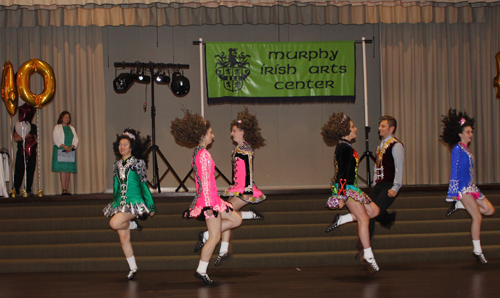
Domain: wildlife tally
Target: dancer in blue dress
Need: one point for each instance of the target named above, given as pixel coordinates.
(462, 192)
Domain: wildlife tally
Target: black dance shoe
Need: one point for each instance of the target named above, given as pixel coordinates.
(452, 209)
(256, 215)
(371, 263)
(480, 258)
(204, 277)
(335, 224)
(201, 242)
(132, 274)
(220, 259)
(390, 222)
(139, 227)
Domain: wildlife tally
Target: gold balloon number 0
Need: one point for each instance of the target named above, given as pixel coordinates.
(23, 85)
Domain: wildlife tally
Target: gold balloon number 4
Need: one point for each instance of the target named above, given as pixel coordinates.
(21, 85)
(9, 90)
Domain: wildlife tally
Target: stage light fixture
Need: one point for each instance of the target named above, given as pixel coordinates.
(123, 82)
(141, 78)
(180, 84)
(162, 78)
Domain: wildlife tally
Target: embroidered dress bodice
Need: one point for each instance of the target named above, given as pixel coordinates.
(344, 183)
(206, 189)
(346, 161)
(242, 160)
(461, 173)
(130, 188)
(243, 184)
(204, 171)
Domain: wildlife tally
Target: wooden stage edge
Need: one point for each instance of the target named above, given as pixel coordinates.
(409, 280)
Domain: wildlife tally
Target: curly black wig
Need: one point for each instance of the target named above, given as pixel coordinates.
(337, 126)
(138, 144)
(250, 126)
(453, 124)
(189, 129)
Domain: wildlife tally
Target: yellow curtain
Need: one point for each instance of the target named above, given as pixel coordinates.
(430, 68)
(76, 55)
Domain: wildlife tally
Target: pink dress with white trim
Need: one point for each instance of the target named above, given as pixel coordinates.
(206, 197)
(243, 183)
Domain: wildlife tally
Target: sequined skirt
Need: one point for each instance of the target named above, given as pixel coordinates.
(471, 189)
(351, 191)
(256, 197)
(199, 211)
(133, 208)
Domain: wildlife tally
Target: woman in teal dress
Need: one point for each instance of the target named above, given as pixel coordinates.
(131, 196)
(65, 140)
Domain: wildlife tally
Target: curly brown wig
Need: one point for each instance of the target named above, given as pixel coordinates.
(189, 129)
(337, 126)
(453, 124)
(250, 126)
(139, 145)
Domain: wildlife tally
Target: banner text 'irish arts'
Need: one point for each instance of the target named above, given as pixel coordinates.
(280, 72)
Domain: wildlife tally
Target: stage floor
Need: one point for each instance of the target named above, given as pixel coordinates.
(429, 280)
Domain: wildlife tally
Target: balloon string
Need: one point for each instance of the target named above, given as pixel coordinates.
(24, 155)
(11, 158)
(39, 151)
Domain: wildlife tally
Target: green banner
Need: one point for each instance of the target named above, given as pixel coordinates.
(242, 72)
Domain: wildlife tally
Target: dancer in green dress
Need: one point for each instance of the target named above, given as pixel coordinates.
(131, 196)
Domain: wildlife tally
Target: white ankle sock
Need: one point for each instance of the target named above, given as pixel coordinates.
(368, 253)
(247, 215)
(224, 248)
(202, 267)
(205, 236)
(132, 225)
(459, 205)
(345, 219)
(477, 247)
(131, 263)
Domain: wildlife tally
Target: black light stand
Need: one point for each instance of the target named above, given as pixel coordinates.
(368, 155)
(155, 183)
(219, 173)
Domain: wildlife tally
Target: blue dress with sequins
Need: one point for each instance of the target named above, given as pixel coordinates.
(462, 174)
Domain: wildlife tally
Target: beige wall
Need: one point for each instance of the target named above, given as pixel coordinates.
(295, 155)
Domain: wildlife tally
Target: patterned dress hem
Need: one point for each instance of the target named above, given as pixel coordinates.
(200, 212)
(252, 200)
(472, 189)
(137, 209)
(352, 192)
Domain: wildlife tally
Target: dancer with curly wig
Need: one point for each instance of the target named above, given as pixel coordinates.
(345, 190)
(207, 205)
(458, 129)
(131, 196)
(245, 132)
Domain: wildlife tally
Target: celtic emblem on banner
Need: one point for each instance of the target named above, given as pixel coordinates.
(232, 69)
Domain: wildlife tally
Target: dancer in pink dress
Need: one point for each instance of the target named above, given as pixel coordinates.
(462, 192)
(245, 132)
(207, 205)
